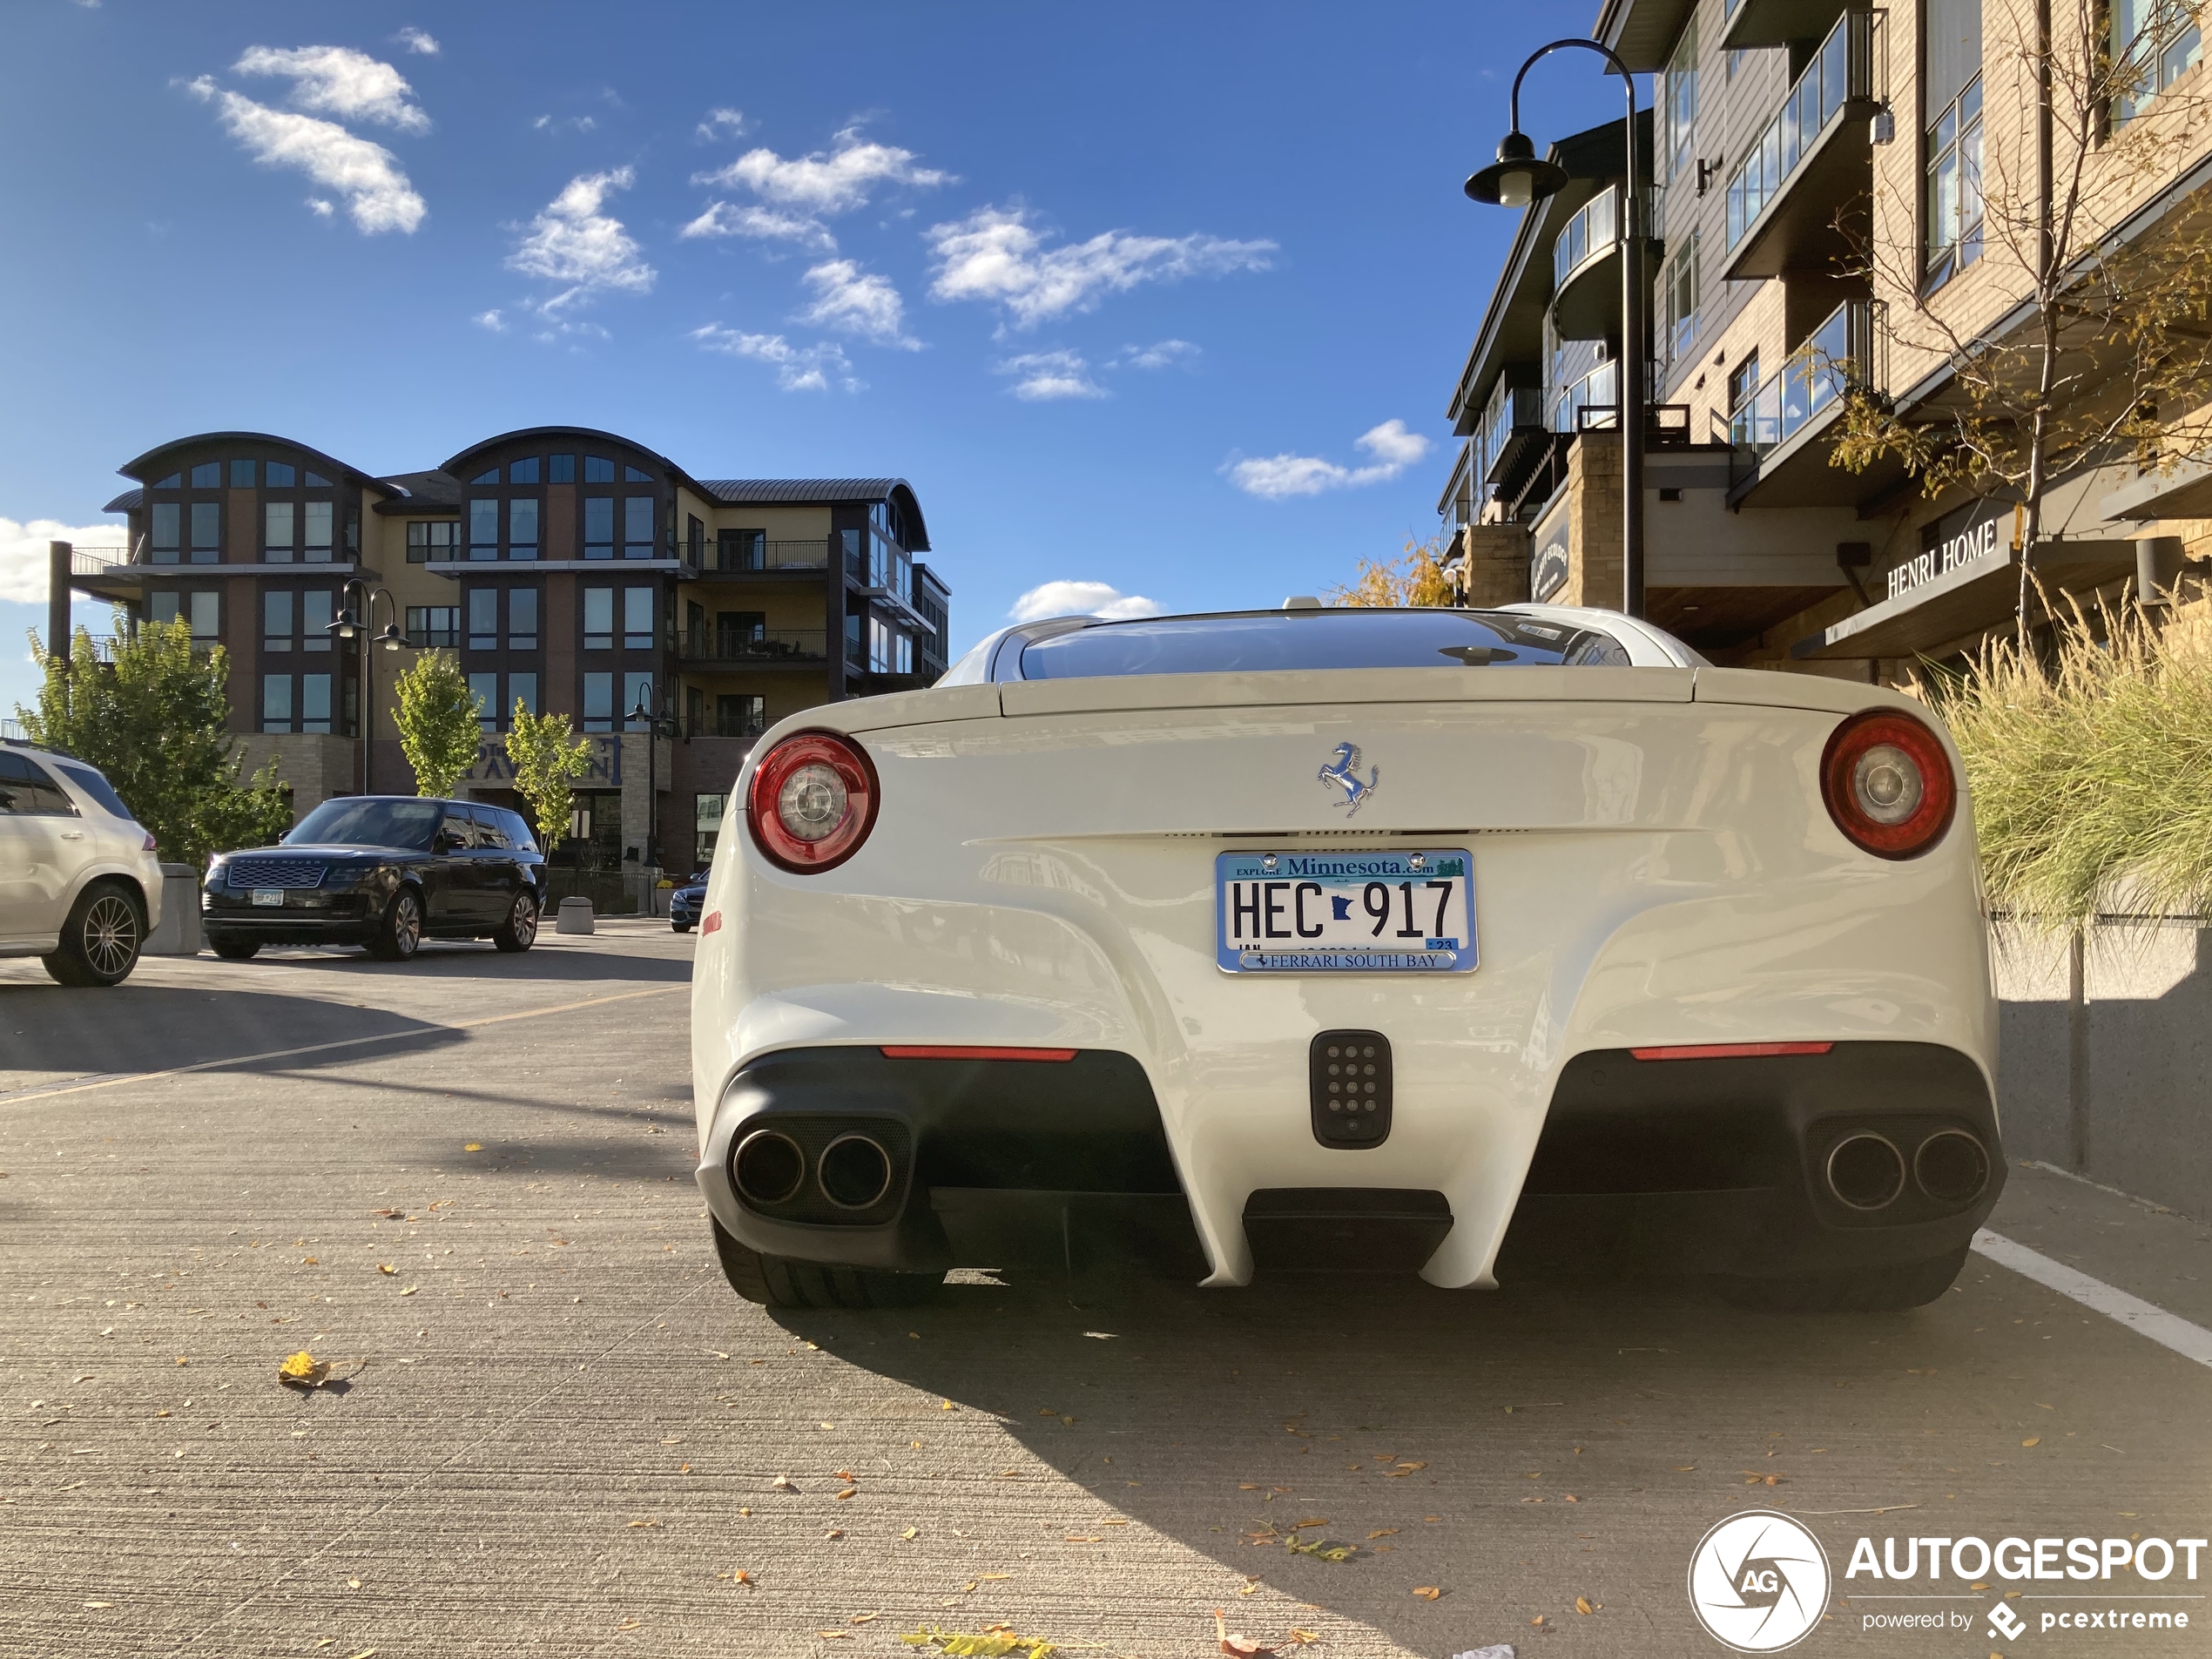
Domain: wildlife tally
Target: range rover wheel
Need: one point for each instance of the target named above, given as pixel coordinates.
(100, 941)
(519, 931)
(235, 950)
(1869, 1290)
(399, 935)
(784, 1282)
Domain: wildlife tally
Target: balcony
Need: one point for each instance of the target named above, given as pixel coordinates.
(708, 647)
(1750, 24)
(1774, 433)
(1586, 280)
(1813, 162)
(766, 558)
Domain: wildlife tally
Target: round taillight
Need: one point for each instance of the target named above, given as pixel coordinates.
(1888, 783)
(812, 801)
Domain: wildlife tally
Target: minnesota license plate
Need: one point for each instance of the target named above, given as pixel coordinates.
(268, 895)
(1396, 911)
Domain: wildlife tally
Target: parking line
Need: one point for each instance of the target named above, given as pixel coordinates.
(111, 1079)
(2167, 1330)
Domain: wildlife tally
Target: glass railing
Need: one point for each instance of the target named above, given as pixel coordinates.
(1588, 234)
(1598, 390)
(1511, 408)
(1841, 70)
(1837, 355)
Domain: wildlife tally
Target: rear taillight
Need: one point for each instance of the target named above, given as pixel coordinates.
(1888, 784)
(812, 801)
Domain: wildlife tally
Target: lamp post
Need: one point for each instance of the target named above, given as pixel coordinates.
(656, 727)
(1520, 178)
(350, 625)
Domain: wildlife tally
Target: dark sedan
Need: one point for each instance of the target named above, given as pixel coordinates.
(686, 902)
(385, 872)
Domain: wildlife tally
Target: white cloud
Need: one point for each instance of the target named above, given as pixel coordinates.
(415, 41)
(799, 368)
(726, 218)
(319, 207)
(368, 176)
(1080, 599)
(1162, 355)
(719, 121)
(826, 183)
(1278, 477)
(336, 80)
(23, 565)
(573, 241)
(490, 320)
(1049, 377)
(995, 257)
(853, 303)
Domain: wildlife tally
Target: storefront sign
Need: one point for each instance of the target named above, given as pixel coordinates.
(604, 772)
(1974, 531)
(1547, 569)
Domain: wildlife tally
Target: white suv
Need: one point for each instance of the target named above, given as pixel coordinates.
(80, 884)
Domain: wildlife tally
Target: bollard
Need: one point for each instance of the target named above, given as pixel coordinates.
(575, 916)
(178, 931)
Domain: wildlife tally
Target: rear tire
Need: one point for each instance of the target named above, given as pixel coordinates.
(100, 941)
(235, 950)
(1869, 1290)
(681, 926)
(399, 934)
(783, 1281)
(519, 931)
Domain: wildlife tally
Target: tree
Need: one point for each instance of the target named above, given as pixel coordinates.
(151, 713)
(1414, 579)
(441, 727)
(545, 761)
(2107, 356)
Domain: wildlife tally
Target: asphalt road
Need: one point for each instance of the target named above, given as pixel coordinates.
(466, 1182)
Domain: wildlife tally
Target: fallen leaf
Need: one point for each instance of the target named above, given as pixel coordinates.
(352, 1583)
(1242, 1647)
(783, 1483)
(648, 1521)
(473, 1146)
(99, 1604)
(864, 1618)
(410, 1289)
(1685, 1468)
(1303, 1636)
(1382, 1531)
(1583, 1604)
(848, 1493)
(303, 1370)
(386, 1267)
(1083, 1538)
(1318, 1520)
(2032, 1439)
(834, 1532)
(1428, 1592)
(911, 1534)
(741, 1576)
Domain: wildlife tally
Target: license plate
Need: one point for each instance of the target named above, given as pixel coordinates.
(1395, 912)
(268, 895)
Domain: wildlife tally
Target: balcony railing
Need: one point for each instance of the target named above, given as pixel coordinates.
(752, 650)
(1597, 390)
(1589, 234)
(1838, 354)
(739, 558)
(1842, 69)
(705, 724)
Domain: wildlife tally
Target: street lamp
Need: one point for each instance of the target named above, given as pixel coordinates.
(350, 625)
(1520, 178)
(657, 726)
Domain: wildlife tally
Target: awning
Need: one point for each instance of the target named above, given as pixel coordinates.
(1977, 594)
(2186, 492)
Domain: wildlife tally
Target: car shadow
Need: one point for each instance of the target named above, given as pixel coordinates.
(468, 959)
(1513, 1449)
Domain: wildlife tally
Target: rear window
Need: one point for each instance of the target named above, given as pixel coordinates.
(370, 821)
(96, 786)
(1308, 639)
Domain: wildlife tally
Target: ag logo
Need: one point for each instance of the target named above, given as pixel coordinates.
(1758, 1581)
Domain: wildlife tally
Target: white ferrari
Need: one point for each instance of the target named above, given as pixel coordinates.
(1383, 940)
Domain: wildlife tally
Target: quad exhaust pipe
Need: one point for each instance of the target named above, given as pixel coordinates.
(854, 1171)
(1866, 1172)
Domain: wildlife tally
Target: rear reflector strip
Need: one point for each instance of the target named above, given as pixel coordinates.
(712, 924)
(912, 1052)
(1729, 1050)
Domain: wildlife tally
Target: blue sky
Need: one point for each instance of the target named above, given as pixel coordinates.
(1168, 298)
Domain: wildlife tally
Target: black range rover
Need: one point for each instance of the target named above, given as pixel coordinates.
(382, 871)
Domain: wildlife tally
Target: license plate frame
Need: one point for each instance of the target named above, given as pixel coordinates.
(266, 896)
(1247, 938)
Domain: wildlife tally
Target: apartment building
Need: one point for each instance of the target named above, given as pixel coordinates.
(1820, 177)
(568, 569)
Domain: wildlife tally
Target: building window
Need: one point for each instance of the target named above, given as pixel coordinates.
(523, 472)
(241, 475)
(207, 476)
(483, 619)
(560, 470)
(431, 539)
(598, 701)
(1679, 284)
(206, 532)
(276, 702)
(706, 826)
(739, 715)
(317, 607)
(522, 526)
(598, 619)
(353, 531)
(598, 526)
(276, 620)
(483, 528)
(637, 527)
(2154, 43)
(174, 481)
(695, 539)
(1680, 102)
(523, 688)
(279, 476)
(598, 470)
(314, 481)
(278, 521)
(485, 689)
(740, 549)
(1743, 381)
(164, 530)
(521, 618)
(314, 703)
(638, 692)
(491, 477)
(317, 515)
(1954, 186)
(637, 619)
(429, 626)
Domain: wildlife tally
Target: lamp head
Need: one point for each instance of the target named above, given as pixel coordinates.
(347, 625)
(1518, 177)
(391, 639)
